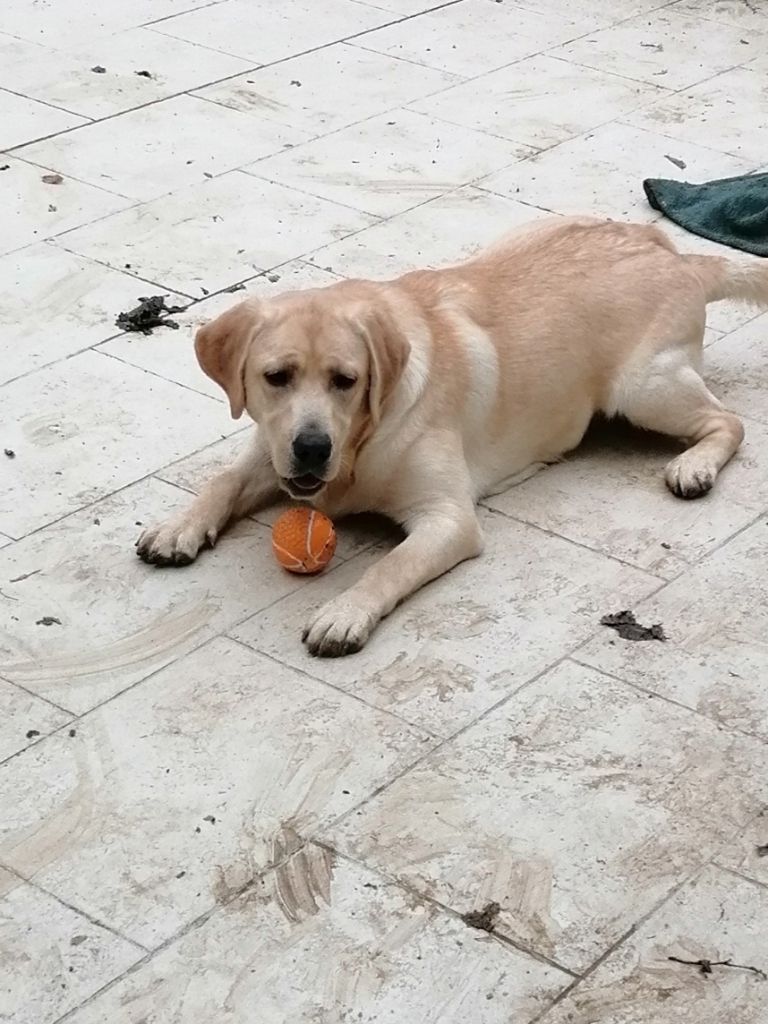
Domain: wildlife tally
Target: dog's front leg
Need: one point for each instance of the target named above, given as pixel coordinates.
(246, 485)
(437, 540)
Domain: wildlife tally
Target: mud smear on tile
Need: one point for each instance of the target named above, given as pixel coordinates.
(302, 884)
(628, 628)
(151, 644)
(150, 313)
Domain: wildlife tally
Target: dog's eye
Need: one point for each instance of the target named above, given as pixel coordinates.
(278, 378)
(342, 382)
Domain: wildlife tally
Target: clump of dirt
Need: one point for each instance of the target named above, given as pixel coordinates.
(484, 920)
(48, 620)
(628, 628)
(148, 315)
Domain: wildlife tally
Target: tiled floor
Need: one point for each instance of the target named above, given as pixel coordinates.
(198, 823)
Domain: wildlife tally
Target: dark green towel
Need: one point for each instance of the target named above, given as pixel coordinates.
(733, 211)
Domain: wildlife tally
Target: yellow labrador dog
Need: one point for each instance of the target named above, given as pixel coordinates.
(418, 396)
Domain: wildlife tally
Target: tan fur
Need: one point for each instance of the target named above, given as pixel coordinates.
(465, 379)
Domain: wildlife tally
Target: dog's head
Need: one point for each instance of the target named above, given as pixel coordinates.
(315, 369)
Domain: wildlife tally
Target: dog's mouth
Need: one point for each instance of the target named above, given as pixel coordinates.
(303, 486)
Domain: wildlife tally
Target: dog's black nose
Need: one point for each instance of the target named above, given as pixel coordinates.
(311, 451)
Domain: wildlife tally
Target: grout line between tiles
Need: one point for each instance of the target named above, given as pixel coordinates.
(336, 689)
(672, 892)
(36, 696)
(431, 901)
(77, 910)
(190, 926)
(648, 692)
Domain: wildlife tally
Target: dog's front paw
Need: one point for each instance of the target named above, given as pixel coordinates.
(340, 627)
(175, 542)
(689, 477)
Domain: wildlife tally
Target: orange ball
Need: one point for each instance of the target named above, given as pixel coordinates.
(303, 540)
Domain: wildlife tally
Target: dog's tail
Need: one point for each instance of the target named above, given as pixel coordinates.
(722, 278)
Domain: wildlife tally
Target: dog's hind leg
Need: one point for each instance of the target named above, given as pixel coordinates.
(668, 395)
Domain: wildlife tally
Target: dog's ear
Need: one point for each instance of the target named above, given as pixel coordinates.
(222, 347)
(388, 351)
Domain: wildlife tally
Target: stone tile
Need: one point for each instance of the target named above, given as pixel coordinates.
(715, 917)
(469, 639)
(121, 620)
(215, 233)
(728, 12)
(472, 37)
(54, 304)
(328, 89)
(53, 958)
(354, 534)
(568, 806)
(67, 79)
(35, 210)
(716, 621)
(737, 368)
(404, 7)
(389, 163)
(264, 34)
(216, 766)
(442, 231)
(748, 854)
(95, 424)
(601, 169)
(725, 113)
(722, 316)
(23, 717)
(363, 950)
(24, 120)
(610, 495)
(662, 47)
(524, 102)
(590, 13)
(171, 146)
(63, 26)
